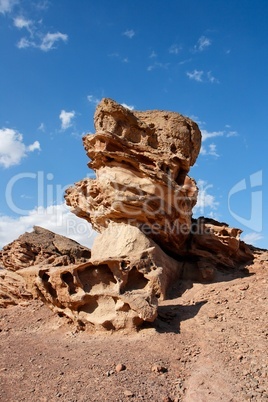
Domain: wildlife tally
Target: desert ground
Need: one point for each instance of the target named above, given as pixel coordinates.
(208, 344)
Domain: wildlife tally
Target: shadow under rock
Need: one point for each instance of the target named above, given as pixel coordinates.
(170, 317)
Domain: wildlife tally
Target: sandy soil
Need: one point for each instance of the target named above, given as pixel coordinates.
(208, 344)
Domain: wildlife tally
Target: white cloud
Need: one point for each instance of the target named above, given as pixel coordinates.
(12, 147)
(47, 42)
(23, 43)
(174, 49)
(130, 107)
(211, 78)
(202, 43)
(211, 150)
(205, 200)
(158, 65)
(212, 134)
(93, 99)
(66, 119)
(50, 39)
(232, 134)
(57, 218)
(7, 5)
(153, 54)
(21, 22)
(252, 238)
(195, 75)
(33, 147)
(42, 127)
(129, 33)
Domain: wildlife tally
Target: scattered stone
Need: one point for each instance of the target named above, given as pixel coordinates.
(120, 367)
(129, 393)
(157, 368)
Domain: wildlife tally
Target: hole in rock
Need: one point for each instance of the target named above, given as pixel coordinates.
(67, 277)
(135, 281)
(114, 147)
(61, 314)
(133, 135)
(96, 276)
(224, 232)
(45, 278)
(173, 148)
(90, 305)
(124, 265)
(180, 179)
(165, 168)
(108, 325)
(152, 141)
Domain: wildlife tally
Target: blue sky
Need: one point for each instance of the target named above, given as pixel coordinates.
(205, 59)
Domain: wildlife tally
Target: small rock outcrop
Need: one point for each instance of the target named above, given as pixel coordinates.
(12, 289)
(41, 246)
(141, 204)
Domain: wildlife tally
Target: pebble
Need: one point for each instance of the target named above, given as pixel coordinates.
(128, 393)
(157, 368)
(120, 367)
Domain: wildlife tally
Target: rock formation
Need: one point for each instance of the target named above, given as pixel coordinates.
(141, 161)
(141, 204)
(42, 247)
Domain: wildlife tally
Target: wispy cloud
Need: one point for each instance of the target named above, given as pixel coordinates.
(202, 43)
(92, 99)
(6, 6)
(21, 22)
(205, 200)
(210, 150)
(201, 76)
(211, 78)
(206, 134)
(232, 134)
(42, 127)
(37, 36)
(153, 55)
(66, 119)
(129, 33)
(49, 40)
(195, 75)
(252, 238)
(117, 56)
(46, 44)
(12, 147)
(174, 49)
(157, 65)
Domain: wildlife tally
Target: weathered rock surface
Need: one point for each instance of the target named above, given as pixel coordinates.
(111, 293)
(42, 246)
(12, 289)
(141, 161)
